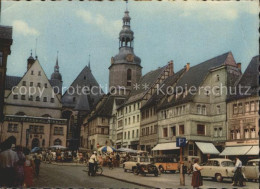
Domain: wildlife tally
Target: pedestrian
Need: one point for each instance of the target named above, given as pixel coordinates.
(28, 171)
(8, 160)
(19, 168)
(196, 181)
(117, 159)
(238, 176)
(37, 163)
(92, 162)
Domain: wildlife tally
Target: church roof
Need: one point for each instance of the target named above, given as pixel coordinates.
(83, 101)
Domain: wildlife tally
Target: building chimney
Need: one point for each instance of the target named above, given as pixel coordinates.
(170, 63)
(187, 66)
(239, 65)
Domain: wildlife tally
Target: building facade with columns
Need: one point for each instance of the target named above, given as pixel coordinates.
(32, 108)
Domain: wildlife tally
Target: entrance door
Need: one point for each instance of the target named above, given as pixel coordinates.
(35, 143)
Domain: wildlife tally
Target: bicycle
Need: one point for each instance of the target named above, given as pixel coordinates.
(98, 170)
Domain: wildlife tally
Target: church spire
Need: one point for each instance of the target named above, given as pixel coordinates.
(56, 74)
(56, 67)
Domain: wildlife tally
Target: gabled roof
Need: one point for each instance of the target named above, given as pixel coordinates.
(250, 79)
(83, 101)
(144, 84)
(170, 81)
(195, 76)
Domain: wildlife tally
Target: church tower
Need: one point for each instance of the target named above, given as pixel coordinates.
(56, 78)
(125, 69)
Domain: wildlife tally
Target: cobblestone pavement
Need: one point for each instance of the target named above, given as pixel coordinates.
(76, 177)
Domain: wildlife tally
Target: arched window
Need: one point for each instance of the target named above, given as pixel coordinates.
(129, 77)
(57, 142)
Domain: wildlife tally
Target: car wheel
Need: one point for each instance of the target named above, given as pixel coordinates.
(125, 170)
(161, 169)
(218, 177)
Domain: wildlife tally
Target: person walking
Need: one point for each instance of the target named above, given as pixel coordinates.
(28, 171)
(37, 163)
(8, 161)
(19, 168)
(238, 176)
(92, 161)
(196, 180)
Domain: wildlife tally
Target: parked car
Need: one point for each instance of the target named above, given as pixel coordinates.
(167, 164)
(218, 169)
(251, 169)
(134, 160)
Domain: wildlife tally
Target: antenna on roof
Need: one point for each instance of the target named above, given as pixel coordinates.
(36, 48)
(89, 62)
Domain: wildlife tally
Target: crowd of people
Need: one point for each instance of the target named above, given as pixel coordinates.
(17, 166)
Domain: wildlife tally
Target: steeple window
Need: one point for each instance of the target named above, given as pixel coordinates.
(129, 77)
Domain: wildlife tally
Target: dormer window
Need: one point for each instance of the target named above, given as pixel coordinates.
(31, 84)
(23, 97)
(39, 73)
(31, 98)
(44, 99)
(37, 98)
(24, 83)
(38, 84)
(129, 77)
(32, 72)
(45, 85)
(15, 96)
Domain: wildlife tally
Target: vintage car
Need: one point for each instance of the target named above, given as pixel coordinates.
(134, 160)
(251, 170)
(218, 169)
(167, 164)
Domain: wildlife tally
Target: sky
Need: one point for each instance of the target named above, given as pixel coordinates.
(180, 31)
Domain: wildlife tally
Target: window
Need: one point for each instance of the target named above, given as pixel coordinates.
(198, 109)
(125, 136)
(37, 98)
(1, 59)
(32, 72)
(246, 131)
(217, 77)
(15, 96)
(137, 118)
(232, 134)
(129, 121)
(220, 131)
(128, 134)
(102, 131)
(133, 134)
(31, 84)
(52, 100)
(38, 84)
(46, 85)
(252, 104)
(126, 110)
(204, 112)
(24, 83)
(235, 109)
(23, 97)
(57, 142)
(147, 130)
(165, 132)
(218, 109)
(12, 128)
(215, 132)
(39, 73)
(31, 98)
(134, 107)
(133, 119)
(129, 108)
(138, 105)
(125, 121)
(201, 129)
(240, 108)
(129, 77)
(238, 134)
(173, 131)
(181, 129)
(143, 132)
(137, 133)
(253, 133)
(155, 129)
(44, 99)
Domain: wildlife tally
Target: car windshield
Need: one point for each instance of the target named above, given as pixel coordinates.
(227, 163)
(142, 159)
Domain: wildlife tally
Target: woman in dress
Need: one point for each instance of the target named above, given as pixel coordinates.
(196, 181)
(28, 171)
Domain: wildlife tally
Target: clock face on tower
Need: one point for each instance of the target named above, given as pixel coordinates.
(130, 58)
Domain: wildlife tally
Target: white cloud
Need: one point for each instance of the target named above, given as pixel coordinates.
(22, 27)
(110, 27)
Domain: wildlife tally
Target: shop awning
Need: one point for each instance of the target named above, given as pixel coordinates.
(207, 148)
(235, 150)
(253, 151)
(166, 146)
